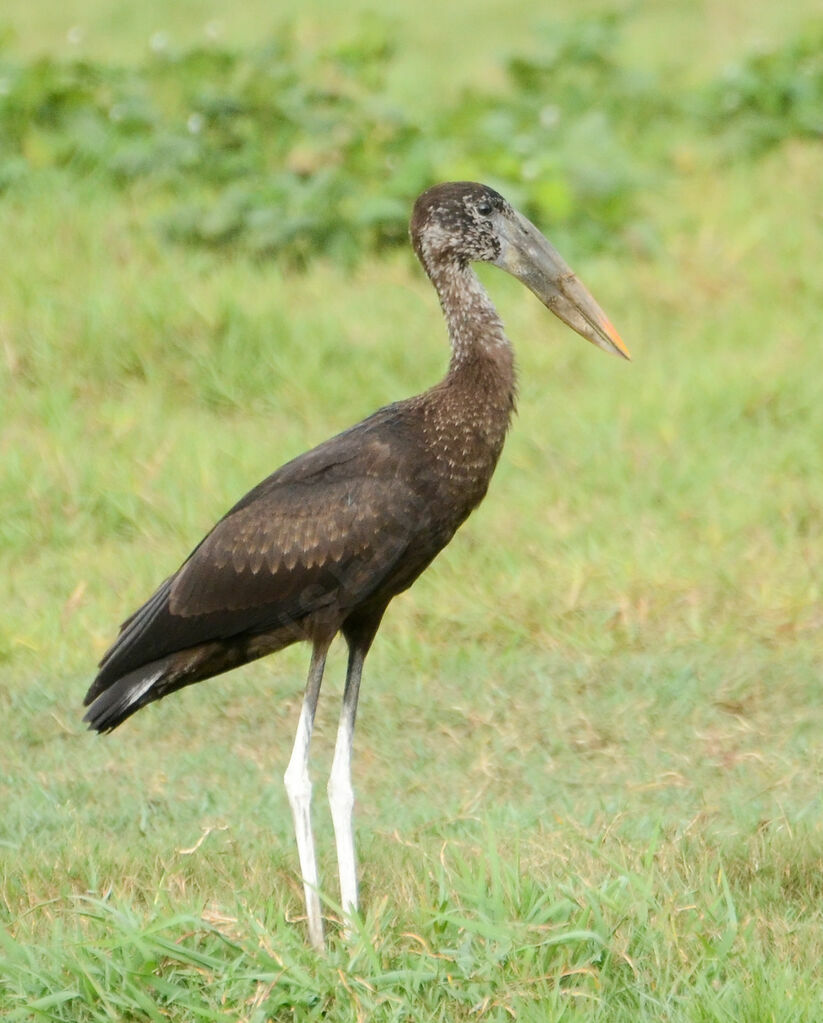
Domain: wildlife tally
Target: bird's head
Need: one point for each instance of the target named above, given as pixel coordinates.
(461, 222)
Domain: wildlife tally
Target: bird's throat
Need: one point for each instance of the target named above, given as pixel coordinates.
(482, 359)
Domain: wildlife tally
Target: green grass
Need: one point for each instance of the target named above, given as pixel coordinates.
(588, 760)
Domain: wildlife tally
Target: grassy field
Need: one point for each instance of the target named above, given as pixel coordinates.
(588, 761)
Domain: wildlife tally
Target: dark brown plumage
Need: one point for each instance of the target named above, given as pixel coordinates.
(325, 543)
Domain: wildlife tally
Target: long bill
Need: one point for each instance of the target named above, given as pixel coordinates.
(529, 257)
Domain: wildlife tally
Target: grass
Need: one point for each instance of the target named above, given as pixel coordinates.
(587, 762)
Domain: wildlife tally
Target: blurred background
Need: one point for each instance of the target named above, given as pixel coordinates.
(588, 756)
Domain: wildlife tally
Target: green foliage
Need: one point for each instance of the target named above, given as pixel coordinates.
(290, 151)
(285, 150)
(769, 96)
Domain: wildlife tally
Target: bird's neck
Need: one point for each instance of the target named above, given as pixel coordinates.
(478, 341)
(468, 413)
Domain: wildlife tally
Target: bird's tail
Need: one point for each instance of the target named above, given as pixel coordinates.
(128, 694)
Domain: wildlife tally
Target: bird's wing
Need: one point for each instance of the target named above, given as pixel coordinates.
(325, 530)
(299, 546)
(326, 526)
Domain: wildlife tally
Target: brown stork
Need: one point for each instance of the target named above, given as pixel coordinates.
(322, 545)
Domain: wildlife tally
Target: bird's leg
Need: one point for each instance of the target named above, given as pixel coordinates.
(341, 794)
(298, 789)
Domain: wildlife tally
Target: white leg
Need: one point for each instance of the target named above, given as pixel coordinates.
(341, 794)
(298, 789)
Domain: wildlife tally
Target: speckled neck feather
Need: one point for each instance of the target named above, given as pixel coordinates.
(482, 355)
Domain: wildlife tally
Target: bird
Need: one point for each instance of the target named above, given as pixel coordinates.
(322, 546)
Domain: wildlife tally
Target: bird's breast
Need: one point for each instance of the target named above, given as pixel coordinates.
(461, 454)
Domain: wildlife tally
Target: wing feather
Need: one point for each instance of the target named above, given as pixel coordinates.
(272, 551)
(325, 530)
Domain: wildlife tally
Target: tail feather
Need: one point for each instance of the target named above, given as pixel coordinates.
(139, 623)
(127, 695)
(130, 651)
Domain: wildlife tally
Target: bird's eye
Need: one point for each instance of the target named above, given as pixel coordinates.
(485, 208)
